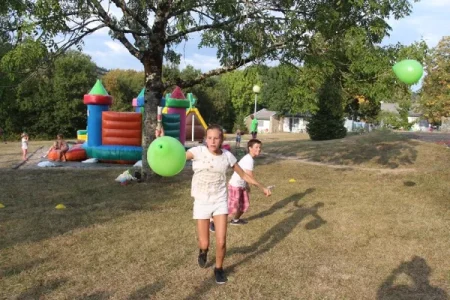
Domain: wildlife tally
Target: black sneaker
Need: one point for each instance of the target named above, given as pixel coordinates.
(220, 276)
(238, 222)
(212, 228)
(202, 257)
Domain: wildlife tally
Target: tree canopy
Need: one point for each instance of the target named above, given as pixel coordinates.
(241, 31)
(435, 101)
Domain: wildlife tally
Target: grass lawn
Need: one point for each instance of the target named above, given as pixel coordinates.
(367, 218)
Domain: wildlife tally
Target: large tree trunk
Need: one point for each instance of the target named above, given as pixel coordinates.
(153, 63)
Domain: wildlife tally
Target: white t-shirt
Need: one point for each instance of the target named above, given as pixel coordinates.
(24, 143)
(247, 164)
(209, 180)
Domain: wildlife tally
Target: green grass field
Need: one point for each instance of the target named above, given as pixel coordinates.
(367, 218)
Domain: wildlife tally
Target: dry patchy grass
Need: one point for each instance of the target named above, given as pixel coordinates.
(336, 233)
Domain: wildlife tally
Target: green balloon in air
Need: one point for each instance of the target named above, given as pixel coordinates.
(166, 156)
(408, 71)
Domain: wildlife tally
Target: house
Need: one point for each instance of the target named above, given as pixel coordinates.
(414, 116)
(271, 122)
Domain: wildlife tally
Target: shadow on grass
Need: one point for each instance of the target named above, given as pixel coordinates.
(147, 291)
(95, 296)
(280, 204)
(273, 236)
(41, 289)
(418, 271)
(91, 197)
(17, 269)
(389, 150)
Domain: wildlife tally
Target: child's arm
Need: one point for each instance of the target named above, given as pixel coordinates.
(189, 155)
(250, 179)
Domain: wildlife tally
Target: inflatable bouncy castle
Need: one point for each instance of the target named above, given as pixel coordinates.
(111, 136)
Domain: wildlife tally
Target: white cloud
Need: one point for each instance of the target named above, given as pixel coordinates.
(200, 61)
(438, 3)
(116, 47)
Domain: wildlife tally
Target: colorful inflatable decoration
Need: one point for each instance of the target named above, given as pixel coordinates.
(177, 105)
(82, 135)
(166, 156)
(195, 125)
(408, 71)
(111, 136)
(75, 153)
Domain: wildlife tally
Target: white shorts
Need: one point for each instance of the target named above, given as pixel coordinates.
(203, 211)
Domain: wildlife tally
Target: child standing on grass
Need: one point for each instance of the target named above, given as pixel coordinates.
(238, 189)
(24, 137)
(238, 138)
(209, 191)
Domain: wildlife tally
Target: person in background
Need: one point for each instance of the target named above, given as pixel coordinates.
(59, 145)
(254, 127)
(24, 137)
(238, 138)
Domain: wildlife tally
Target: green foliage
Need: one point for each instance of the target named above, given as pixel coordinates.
(394, 121)
(328, 122)
(214, 102)
(283, 90)
(240, 84)
(435, 100)
(123, 86)
(24, 57)
(51, 101)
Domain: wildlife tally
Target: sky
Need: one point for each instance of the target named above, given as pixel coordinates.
(429, 21)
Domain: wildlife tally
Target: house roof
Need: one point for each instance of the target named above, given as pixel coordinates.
(390, 107)
(394, 107)
(263, 114)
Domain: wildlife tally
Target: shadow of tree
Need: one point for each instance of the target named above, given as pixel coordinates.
(147, 291)
(95, 296)
(17, 269)
(272, 237)
(392, 151)
(43, 288)
(92, 197)
(418, 271)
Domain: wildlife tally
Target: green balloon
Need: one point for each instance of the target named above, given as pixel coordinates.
(408, 71)
(166, 156)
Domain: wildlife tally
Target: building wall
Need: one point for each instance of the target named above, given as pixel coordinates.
(293, 124)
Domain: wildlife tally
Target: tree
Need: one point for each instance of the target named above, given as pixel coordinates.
(51, 102)
(278, 87)
(241, 31)
(328, 122)
(435, 101)
(123, 86)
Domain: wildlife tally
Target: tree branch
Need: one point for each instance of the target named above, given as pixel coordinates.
(189, 83)
(118, 34)
(126, 11)
(182, 33)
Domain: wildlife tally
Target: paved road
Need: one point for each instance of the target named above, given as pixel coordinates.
(431, 137)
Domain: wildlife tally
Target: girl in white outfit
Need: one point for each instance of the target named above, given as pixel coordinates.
(24, 145)
(209, 191)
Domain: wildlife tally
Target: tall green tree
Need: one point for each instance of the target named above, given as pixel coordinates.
(51, 102)
(435, 100)
(278, 89)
